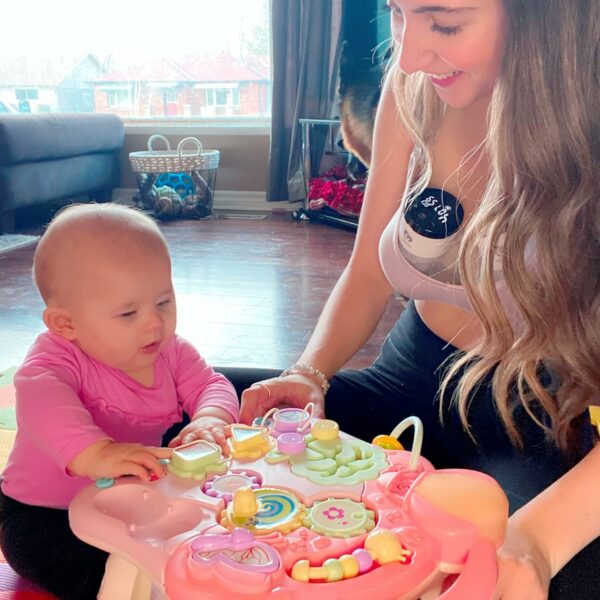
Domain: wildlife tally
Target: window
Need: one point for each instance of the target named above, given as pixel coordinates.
(223, 97)
(27, 94)
(118, 98)
(211, 59)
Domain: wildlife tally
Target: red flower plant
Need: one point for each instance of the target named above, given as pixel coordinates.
(336, 190)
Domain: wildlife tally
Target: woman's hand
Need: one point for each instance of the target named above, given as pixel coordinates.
(295, 390)
(209, 428)
(524, 570)
(109, 459)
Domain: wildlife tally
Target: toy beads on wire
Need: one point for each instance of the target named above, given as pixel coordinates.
(381, 546)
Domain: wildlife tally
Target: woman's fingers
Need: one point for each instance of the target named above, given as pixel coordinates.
(176, 441)
(294, 390)
(256, 401)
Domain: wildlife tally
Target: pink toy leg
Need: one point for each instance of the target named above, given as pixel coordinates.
(124, 580)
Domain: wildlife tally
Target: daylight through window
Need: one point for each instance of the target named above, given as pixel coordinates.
(196, 59)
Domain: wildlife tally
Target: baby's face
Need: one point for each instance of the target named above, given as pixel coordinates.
(123, 311)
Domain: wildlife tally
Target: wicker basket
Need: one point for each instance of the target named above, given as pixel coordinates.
(176, 184)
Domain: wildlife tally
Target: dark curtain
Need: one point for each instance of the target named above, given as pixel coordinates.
(305, 38)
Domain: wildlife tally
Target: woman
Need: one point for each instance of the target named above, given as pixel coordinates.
(496, 103)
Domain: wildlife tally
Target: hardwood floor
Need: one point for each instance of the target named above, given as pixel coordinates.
(249, 291)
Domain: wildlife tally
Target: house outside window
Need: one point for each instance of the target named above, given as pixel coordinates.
(133, 67)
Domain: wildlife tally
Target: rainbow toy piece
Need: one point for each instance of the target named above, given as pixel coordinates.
(319, 516)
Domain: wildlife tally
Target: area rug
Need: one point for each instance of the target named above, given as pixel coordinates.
(8, 423)
(12, 586)
(12, 241)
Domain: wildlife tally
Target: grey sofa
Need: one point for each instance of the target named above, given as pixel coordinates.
(47, 158)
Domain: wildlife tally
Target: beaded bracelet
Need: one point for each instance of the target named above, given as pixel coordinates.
(303, 369)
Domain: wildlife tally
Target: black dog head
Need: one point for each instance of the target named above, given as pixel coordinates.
(359, 91)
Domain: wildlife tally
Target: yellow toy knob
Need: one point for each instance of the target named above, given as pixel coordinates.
(325, 429)
(387, 442)
(245, 504)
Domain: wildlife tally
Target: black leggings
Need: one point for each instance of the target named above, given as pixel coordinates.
(40, 546)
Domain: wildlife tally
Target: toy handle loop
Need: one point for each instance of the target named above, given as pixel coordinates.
(271, 412)
(415, 453)
(309, 409)
(155, 137)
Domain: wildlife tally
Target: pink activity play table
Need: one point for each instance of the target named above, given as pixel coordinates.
(299, 511)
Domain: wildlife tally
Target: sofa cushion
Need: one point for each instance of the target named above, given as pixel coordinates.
(28, 138)
(29, 184)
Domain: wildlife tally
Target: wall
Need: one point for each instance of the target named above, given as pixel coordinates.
(243, 162)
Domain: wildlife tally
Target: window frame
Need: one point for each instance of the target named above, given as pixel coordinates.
(198, 126)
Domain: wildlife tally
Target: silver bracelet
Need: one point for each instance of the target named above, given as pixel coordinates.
(303, 369)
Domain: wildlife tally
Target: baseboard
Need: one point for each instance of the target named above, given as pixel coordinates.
(225, 200)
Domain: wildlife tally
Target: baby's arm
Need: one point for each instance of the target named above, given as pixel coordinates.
(550, 529)
(106, 458)
(50, 412)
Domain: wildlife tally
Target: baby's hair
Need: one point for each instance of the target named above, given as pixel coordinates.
(112, 228)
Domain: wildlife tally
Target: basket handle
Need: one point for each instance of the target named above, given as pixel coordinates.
(157, 136)
(192, 140)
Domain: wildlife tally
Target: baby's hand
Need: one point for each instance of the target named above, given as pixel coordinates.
(110, 459)
(211, 429)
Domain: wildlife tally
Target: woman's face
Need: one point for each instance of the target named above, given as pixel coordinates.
(457, 43)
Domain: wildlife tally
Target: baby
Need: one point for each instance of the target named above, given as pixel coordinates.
(99, 388)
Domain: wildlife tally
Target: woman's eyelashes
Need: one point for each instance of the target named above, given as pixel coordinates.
(445, 29)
